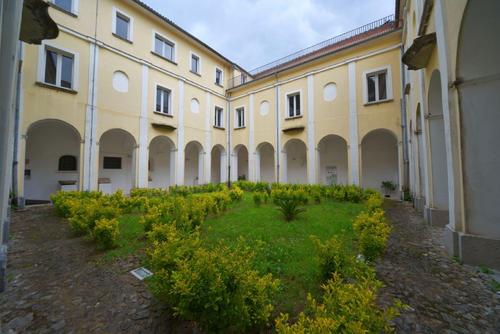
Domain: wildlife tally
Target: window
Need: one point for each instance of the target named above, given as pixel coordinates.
(112, 163)
(293, 105)
(122, 25)
(195, 64)
(240, 117)
(163, 100)
(218, 76)
(58, 69)
(67, 163)
(243, 78)
(66, 5)
(218, 123)
(377, 86)
(164, 48)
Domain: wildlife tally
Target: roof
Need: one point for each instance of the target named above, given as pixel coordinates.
(177, 27)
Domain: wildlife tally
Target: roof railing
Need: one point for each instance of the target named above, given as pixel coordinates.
(372, 29)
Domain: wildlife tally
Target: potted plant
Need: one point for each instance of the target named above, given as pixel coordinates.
(388, 187)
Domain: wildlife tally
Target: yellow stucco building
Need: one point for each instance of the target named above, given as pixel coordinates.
(125, 98)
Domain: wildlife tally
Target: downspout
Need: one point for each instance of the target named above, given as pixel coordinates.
(92, 97)
(278, 147)
(229, 155)
(404, 128)
(15, 187)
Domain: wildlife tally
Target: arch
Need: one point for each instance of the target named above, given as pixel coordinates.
(161, 164)
(47, 141)
(295, 161)
(479, 72)
(265, 166)
(333, 161)
(438, 161)
(240, 162)
(117, 161)
(379, 159)
(218, 164)
(193, 163)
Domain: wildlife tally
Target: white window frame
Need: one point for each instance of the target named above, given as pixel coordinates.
(74, 6)
(236, 125)
(167, 39)
(117, 11)
(287, 107)
(221, 76)
(388, 83)
(170, 98)
(221, 126)
(191, 54)
(42, 53)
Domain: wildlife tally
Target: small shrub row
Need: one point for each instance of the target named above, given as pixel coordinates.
(254, 186)
(260, 197)
(372, 232)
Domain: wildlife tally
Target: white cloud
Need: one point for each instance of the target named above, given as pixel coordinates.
(255, 32)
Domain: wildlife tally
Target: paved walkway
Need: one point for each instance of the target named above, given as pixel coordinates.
(58, 284)
(443, 295)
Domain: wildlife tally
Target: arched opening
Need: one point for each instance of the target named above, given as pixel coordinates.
(52, 157)
(439, 167)
(295, 161)
(479, 71)
(161, 166)
(116, 161)
(218, 164)
(241, 162)
(265, 163)
(379, 159)
(332, 150)
(193, 164)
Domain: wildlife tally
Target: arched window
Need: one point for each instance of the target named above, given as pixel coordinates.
(67, 163)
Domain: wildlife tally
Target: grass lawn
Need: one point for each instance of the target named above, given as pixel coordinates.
(282, 248)
(287, 251)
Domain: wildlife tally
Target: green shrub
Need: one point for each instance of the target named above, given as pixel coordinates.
(236, 193)
(289, 202)
(260, 197)
(106, 232)
(344, 308)
(374, 202)
(217, 288)
(334, 258)
(372, 232)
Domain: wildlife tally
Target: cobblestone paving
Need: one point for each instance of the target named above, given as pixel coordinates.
(443, 295)
(58, 284)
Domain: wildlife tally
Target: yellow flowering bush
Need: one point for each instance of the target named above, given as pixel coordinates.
(236, 193)
(106, 232)
(372, 232)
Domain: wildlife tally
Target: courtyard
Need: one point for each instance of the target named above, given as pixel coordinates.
(61, 283)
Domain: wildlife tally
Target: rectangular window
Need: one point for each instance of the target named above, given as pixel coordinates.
(122, 27)
(67, 5)
(59, 68)
(240, 117)
(195, 64)
(218, 77)
(164, 47)
(163, 101)
(293, 105)
(218, 122)
(112, 163)
(243, 78)
(377, 86)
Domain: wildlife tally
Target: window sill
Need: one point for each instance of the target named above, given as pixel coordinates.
(164, 58)
(292, 118)
(66, 171)
(378, 102)
(53, 5)
(240, 128)
(122, 38)
(54, 87)
(218, 85)
(219, 127)
(163, 114)
(196, 73)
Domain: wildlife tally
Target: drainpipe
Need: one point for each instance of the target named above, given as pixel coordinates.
(404, 128)
(229, 155)
(278, 147)
(17, 121)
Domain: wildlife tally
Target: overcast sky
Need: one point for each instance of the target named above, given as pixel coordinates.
(255, 32)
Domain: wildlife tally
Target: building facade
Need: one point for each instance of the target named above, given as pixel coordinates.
(125, 98)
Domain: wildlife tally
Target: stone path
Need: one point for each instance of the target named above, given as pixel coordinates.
(443, 295)
(59, 284)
